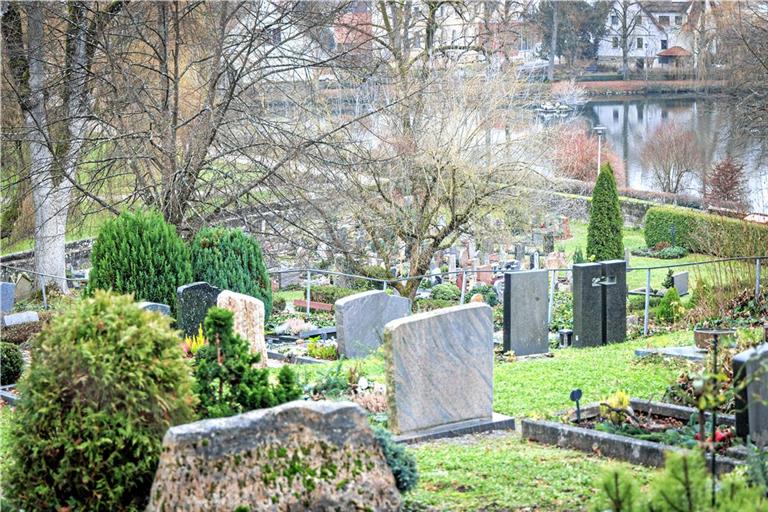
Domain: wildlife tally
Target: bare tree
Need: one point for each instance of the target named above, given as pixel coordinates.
(673, 157)
(48, 58)
(628, 16)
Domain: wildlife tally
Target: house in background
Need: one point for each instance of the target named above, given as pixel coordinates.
(669, 34)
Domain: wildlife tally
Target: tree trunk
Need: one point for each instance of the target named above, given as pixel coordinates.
(553, 45)
(50, 241)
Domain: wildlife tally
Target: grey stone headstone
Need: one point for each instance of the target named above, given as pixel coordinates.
(520, 253)
(192, 304)
(587, 306)
(616, 297)
(20, 318)
(751, 406)
(7, 296)
(439, 368)
(530, 300)
(163, 309)
(360, 320)
(680, 281)
(451, 265)
(549, 242)
(249, 461)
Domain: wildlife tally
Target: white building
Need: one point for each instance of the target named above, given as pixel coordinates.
(669, 33)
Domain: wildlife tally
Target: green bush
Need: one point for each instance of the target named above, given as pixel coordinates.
(562, 311)
(140, 253)
(670, 309)
(107, 380)
(446, 291)
(400, 461)
(423, 305)
(232, 260)
(373, 271)
(278, 304)
(604, 233)
(704, 233)
(487, 291)
(11, 363)
(226, 381)
(578, 256)
(329, 293)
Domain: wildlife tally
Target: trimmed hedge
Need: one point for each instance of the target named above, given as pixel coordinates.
(705, 233)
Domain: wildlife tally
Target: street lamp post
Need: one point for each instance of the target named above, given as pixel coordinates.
(599, 130)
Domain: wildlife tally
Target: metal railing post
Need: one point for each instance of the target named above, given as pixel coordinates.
(757, 278)
(551, 296)
(463, 285)
(647, 300)
(42, 288)
(309, 284)
(385, 286)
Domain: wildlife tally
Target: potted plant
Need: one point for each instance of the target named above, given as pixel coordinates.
(701, 335)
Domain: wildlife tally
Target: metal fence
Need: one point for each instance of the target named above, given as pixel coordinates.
(553, 275)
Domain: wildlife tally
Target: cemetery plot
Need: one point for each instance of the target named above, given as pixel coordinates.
(656, 429)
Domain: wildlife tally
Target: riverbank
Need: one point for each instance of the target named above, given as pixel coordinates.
(644, 87)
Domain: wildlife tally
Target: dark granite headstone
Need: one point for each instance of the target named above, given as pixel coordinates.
(528, 325)
(549, 242)
(680, 281)
(615, 271)
(7, 296)
(192, 304)
(163, 309)
(520, 253)
(587, 305)
(751, 407)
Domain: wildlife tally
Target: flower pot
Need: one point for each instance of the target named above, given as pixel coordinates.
(702, 338)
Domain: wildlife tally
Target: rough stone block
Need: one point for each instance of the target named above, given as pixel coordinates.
(360, 320)
(192, 304)
(249, 320)
(751, 409)
(20, 318)
(163, 309)
(297, 456)
(528, 316)
(7, 296)
(439, 368)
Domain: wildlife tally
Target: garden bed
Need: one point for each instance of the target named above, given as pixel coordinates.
(583, 436)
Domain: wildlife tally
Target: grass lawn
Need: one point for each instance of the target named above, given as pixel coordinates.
(503, 472)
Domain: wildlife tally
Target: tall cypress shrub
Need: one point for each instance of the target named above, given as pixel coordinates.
(604, 236)
(140, 253)
(232, 260)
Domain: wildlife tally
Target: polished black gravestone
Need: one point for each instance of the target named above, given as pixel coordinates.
(192, 304)
(599, 303)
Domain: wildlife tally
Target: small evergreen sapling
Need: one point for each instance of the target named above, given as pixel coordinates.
(226, 381)
(604, 233)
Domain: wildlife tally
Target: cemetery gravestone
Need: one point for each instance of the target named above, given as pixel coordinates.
(163, 309)
(192, 304)
(680, 281)
(549, 242)
(528, 316)
(751, 409)
(485, 274)
(360, 320)
(7, 296)
(451, 265)
(615, 297)
(520, 253)
(587, 302)
(439, 368)
(24, 317)
(249, 320)
(297, 456)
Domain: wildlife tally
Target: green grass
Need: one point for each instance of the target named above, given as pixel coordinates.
(508, 473)
(6, 416)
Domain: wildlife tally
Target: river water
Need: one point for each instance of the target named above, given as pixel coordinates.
(630, 122)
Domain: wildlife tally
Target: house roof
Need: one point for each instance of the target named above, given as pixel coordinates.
(675, 51)
(666, 6)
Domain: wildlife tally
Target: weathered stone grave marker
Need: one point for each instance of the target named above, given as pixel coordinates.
(7, 296)
(752, 401)
(192, 304)
(249, 320)
(163, 309)
(360, 320)
(680, 281)
(528, 328)
(250, 461)
(440, 373)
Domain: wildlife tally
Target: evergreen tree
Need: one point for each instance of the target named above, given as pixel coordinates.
(140, 253)
(604, 236)
(232, 260)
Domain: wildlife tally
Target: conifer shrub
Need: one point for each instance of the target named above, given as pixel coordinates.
(106, 381)
(604, 233)
(232, 260)
(670, 308)
(226, 381)
(400, 461)
(140, 253)
(446, 291)
(11, 363)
